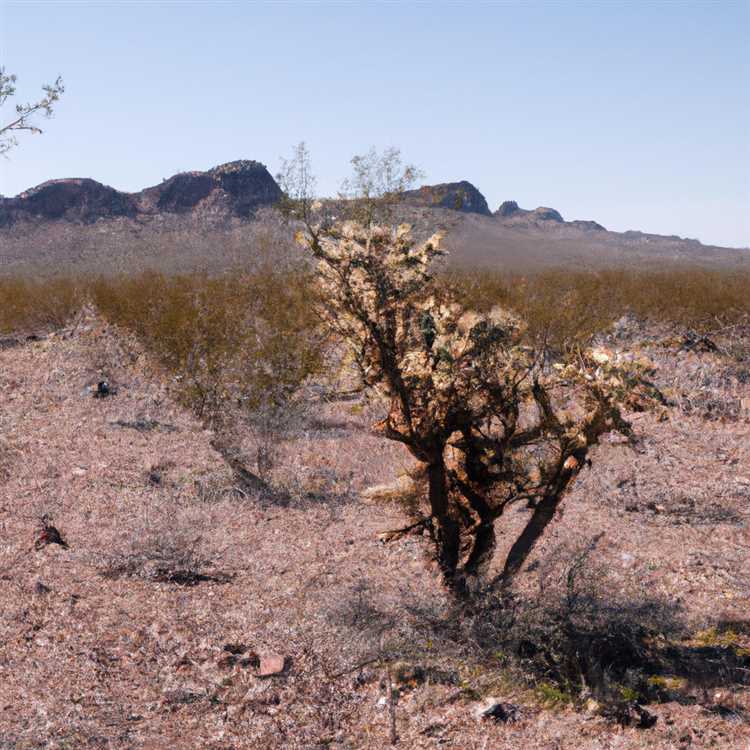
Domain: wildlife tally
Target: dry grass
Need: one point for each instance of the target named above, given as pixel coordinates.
(236, 338)
(566, 307)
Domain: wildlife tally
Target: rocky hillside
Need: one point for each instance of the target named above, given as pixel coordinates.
(216, 219)
(458, 196)
(509, 213)
(233, 189)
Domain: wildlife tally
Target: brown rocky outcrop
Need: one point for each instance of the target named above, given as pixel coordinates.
(234, 189)
(459, 196)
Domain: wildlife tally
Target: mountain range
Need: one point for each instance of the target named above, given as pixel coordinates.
(206, 219)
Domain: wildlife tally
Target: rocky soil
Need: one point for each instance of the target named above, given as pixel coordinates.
(182, 612)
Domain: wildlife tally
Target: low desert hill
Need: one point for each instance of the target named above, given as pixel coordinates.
(211, 220)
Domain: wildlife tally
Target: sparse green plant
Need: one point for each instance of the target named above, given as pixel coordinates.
(553, 696)
(24, 116)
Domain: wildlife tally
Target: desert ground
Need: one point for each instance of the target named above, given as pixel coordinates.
(183, 610)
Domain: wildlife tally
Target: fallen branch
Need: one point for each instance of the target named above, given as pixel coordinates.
(390, 536)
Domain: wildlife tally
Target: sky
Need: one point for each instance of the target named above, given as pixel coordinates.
(636, 115)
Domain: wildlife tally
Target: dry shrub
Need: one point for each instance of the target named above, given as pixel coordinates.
(569, 308)
(234, 341)
(28, 305)
(581, 634)
(167, 546)
(8, 455)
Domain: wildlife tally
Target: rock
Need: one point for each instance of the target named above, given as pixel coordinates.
(646, 719)
(694, 342)
(248, 183)
(103, 389)
(507, 208)
(498, 711)
(77, 200)
(235, 188)
(235, 648)
(546, 214)
(459, 196)
(587, 226)
(49, 535)
(630, 714)
(184, 191)
(271, 665)
(511, 210)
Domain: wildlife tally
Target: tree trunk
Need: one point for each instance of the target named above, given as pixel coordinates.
(483, 546)
(447, 530)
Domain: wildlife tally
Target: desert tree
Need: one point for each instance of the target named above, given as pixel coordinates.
(376, 185)
(369, 195)
(491, 420)
(25, 116)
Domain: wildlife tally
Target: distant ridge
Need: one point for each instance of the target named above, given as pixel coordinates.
(225, 216)
(236, 188)
(510, 213)
(458, 196)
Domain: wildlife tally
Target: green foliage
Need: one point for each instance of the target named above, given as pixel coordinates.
(24, 114)
(553, 696)
(629, 694)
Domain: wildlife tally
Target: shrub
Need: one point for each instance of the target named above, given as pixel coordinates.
(168, 546)
(233, 341)
(27, 305)
(567, 309)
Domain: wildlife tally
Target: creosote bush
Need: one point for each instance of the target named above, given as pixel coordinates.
(568, 308)
(239, 341)
(27, 305)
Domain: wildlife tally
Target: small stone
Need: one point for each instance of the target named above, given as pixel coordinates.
(271, 664)
(498, 711)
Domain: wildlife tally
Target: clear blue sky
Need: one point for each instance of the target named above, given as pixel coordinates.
(633, 114)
